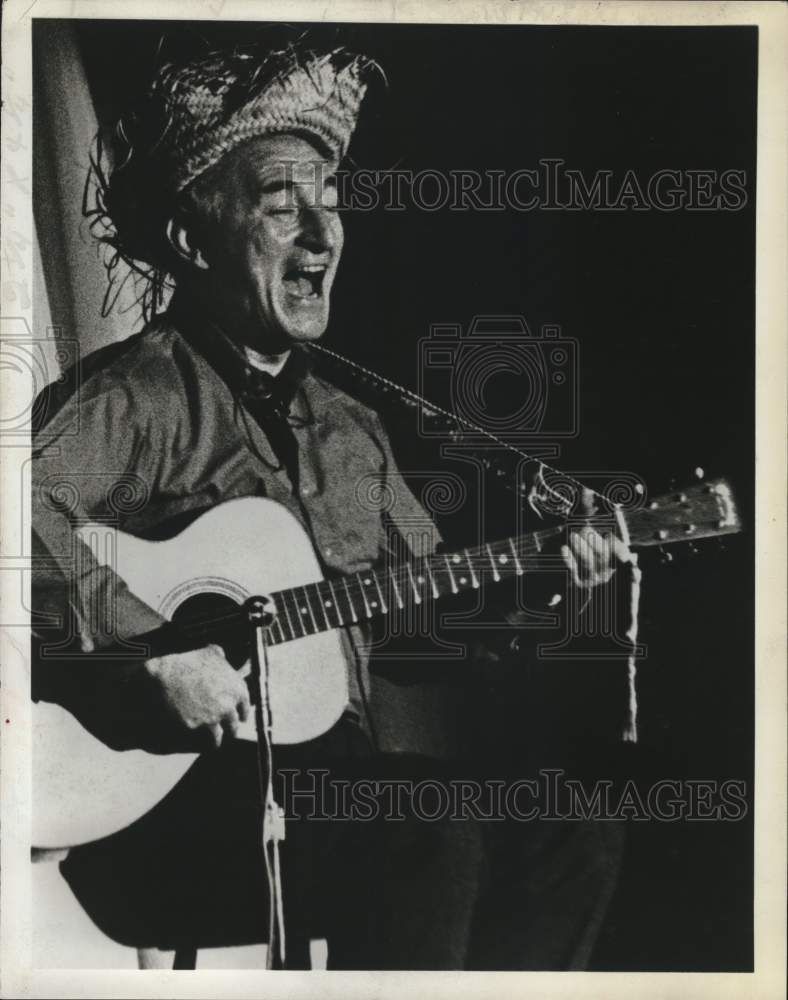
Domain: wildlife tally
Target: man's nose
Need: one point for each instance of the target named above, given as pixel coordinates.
(319, 228)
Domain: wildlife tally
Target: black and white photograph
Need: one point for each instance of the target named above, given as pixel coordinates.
(391, 583)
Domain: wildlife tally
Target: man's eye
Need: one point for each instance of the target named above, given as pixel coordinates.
(278, 203)
(332, 209)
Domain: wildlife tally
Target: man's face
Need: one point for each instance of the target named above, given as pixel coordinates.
(275, 241)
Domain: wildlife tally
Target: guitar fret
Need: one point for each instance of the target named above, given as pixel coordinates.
(451, 575)
(498, 558)
(309, 611)
(277, 625)
(383, 606)
(363, 595)
(396, 589)
(519, 568)
(495, 573)
(336, 603)
(350, 601)
(287, 614)
(364, 582)
(296, 612)
(435, 591)
(474, 577)
(416, 594)
(322, 603)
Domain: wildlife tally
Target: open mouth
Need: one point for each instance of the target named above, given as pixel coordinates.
(306, 281)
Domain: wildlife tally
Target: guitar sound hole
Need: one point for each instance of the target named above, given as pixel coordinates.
(211, 609)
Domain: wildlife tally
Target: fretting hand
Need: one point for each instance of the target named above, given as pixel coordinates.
(592, 558)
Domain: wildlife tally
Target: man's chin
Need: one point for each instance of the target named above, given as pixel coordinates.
(302, 324)
(304, 334)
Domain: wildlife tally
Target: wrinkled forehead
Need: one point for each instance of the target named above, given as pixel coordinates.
(295, 159)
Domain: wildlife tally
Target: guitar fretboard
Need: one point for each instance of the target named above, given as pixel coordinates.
(359, 597)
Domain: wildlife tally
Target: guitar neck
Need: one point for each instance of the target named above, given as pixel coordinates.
(702, 511)
(347, 600)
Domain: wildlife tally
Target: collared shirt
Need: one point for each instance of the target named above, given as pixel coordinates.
(154, 435)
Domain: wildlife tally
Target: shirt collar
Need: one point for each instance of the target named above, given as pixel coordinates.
(230, 362)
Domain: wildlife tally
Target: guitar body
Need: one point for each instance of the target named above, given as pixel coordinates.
(82, 789)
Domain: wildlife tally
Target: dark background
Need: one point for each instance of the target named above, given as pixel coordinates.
(662, 305)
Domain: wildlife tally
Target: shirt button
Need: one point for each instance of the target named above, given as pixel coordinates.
(305, 491)
(329, 552)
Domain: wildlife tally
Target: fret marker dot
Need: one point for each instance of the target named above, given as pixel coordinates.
(455, 558)
(367, 582)
(419, 579)
(328, 604)
(373, 604)
(303, 611)
(503, 560)
(463, 580)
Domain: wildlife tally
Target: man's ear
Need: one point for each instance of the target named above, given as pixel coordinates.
(179, 240)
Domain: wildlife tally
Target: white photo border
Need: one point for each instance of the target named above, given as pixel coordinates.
(18, 978)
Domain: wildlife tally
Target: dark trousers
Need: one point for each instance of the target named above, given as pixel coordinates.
(386, 894)
(546, 893)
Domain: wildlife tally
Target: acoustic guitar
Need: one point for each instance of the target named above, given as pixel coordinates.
(83, 790)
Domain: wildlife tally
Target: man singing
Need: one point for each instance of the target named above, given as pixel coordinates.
(223, 178)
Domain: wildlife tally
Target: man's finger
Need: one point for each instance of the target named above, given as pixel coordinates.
(571, 565)
(582, 553)
(216, 734)
(230, 723)
(602, 549)
(621, 551)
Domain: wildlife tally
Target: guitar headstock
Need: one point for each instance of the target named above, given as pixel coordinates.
(702, 510)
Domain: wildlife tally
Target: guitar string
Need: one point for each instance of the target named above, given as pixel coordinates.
(357, 590)
(524, 546)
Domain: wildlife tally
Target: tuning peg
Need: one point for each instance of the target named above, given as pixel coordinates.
(700, 473)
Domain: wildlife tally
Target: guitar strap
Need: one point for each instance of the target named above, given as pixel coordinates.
(541, 495)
